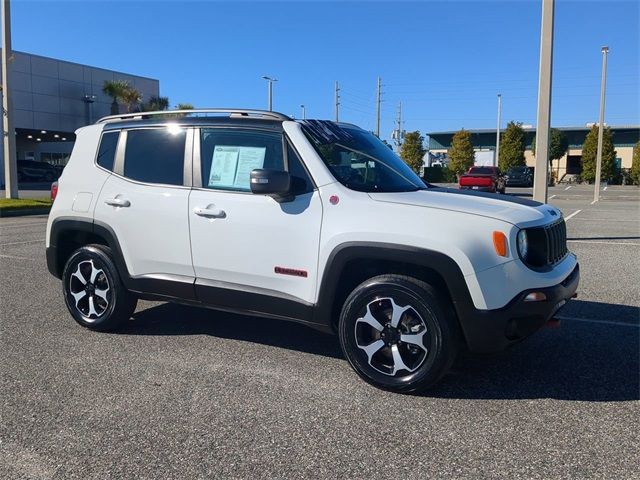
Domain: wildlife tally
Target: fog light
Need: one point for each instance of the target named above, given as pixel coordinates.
(535, 297)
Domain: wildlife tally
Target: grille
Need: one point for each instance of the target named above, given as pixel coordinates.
(547, 245)
(556, 234)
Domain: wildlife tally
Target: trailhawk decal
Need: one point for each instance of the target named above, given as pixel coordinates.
(290, 271)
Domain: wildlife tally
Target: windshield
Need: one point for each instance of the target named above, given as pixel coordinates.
(359, 160)
(517, 170)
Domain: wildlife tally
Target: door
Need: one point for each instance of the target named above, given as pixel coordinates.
(146, 203)
(250, 251)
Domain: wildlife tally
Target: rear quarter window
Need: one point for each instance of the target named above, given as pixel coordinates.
(107, 150)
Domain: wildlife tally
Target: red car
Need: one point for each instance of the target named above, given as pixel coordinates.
(486, 179)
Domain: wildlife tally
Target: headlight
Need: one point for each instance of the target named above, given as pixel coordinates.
(523, 244)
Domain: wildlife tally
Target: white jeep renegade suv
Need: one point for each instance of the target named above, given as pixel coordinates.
(311, 221)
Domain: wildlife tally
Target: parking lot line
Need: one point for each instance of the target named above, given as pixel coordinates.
(21, 243)
(572, 215)
(603, 322)
(13, 257)
(568, 187)
(552, 196)
(604, 243)
(16, 224)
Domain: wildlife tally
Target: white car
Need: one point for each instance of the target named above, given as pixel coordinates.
(311, 221)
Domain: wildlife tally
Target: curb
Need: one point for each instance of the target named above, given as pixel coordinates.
(19, 212)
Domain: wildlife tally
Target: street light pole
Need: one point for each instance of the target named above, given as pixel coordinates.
(337, 100)
(496, 159)
(9, 138)
(270, 90)
(304, 112)
(540, 180)
(603, 87)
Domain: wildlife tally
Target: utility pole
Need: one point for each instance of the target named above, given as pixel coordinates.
(543, 126)
(398, 133)
(9, 138)
(496, 159)
(304, 112)
(337, 99)
(603, 87)
(378, 101)
(270, 80)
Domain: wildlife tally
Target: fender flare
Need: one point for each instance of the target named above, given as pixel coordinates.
(440, 263)
(62, 225)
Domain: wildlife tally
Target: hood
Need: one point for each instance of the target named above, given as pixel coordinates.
(515, 210)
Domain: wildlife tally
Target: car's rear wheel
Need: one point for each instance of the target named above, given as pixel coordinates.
(396, 333)
(93, 291)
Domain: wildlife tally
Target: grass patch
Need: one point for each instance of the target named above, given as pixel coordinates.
(24, 203)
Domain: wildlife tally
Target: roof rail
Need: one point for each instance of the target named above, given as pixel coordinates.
(235, 112)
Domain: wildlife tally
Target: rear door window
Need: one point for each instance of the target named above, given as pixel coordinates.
(155, 155)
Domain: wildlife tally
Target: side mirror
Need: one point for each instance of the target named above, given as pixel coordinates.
(270, 182)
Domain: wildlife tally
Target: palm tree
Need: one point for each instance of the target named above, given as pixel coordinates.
(156, 103)
(131, 97)
(115, 89)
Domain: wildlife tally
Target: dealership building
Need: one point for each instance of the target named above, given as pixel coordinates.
(624, 139)
(50, 99)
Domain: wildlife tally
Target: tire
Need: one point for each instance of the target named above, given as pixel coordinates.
(373, 353)
(106, 303)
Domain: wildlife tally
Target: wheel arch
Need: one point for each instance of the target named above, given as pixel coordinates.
(351, 263)
(70, 233)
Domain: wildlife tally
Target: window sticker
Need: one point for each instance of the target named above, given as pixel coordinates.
(223, 166)
(231, 165)
(250, 158)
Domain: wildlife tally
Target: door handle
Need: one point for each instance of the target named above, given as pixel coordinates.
(118, 202)
(210, 211)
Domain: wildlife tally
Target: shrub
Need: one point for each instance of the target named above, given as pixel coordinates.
(438, 174)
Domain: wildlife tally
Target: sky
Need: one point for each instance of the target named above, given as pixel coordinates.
(445, 61)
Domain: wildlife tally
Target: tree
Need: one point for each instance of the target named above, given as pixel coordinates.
(412, 151)
(155, 104)
(131, 97)
(512, 147)
(635, 164)
(558, 145)
(184, 106)
(461, 154)
(590, 152)
(116, 90)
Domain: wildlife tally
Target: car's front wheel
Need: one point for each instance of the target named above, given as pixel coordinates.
(397, 334)
(93, 291)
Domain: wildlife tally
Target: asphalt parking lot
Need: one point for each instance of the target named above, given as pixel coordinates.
(189, 393)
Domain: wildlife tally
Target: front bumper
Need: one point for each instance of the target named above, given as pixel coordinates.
(494, 330)
(518, 182)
